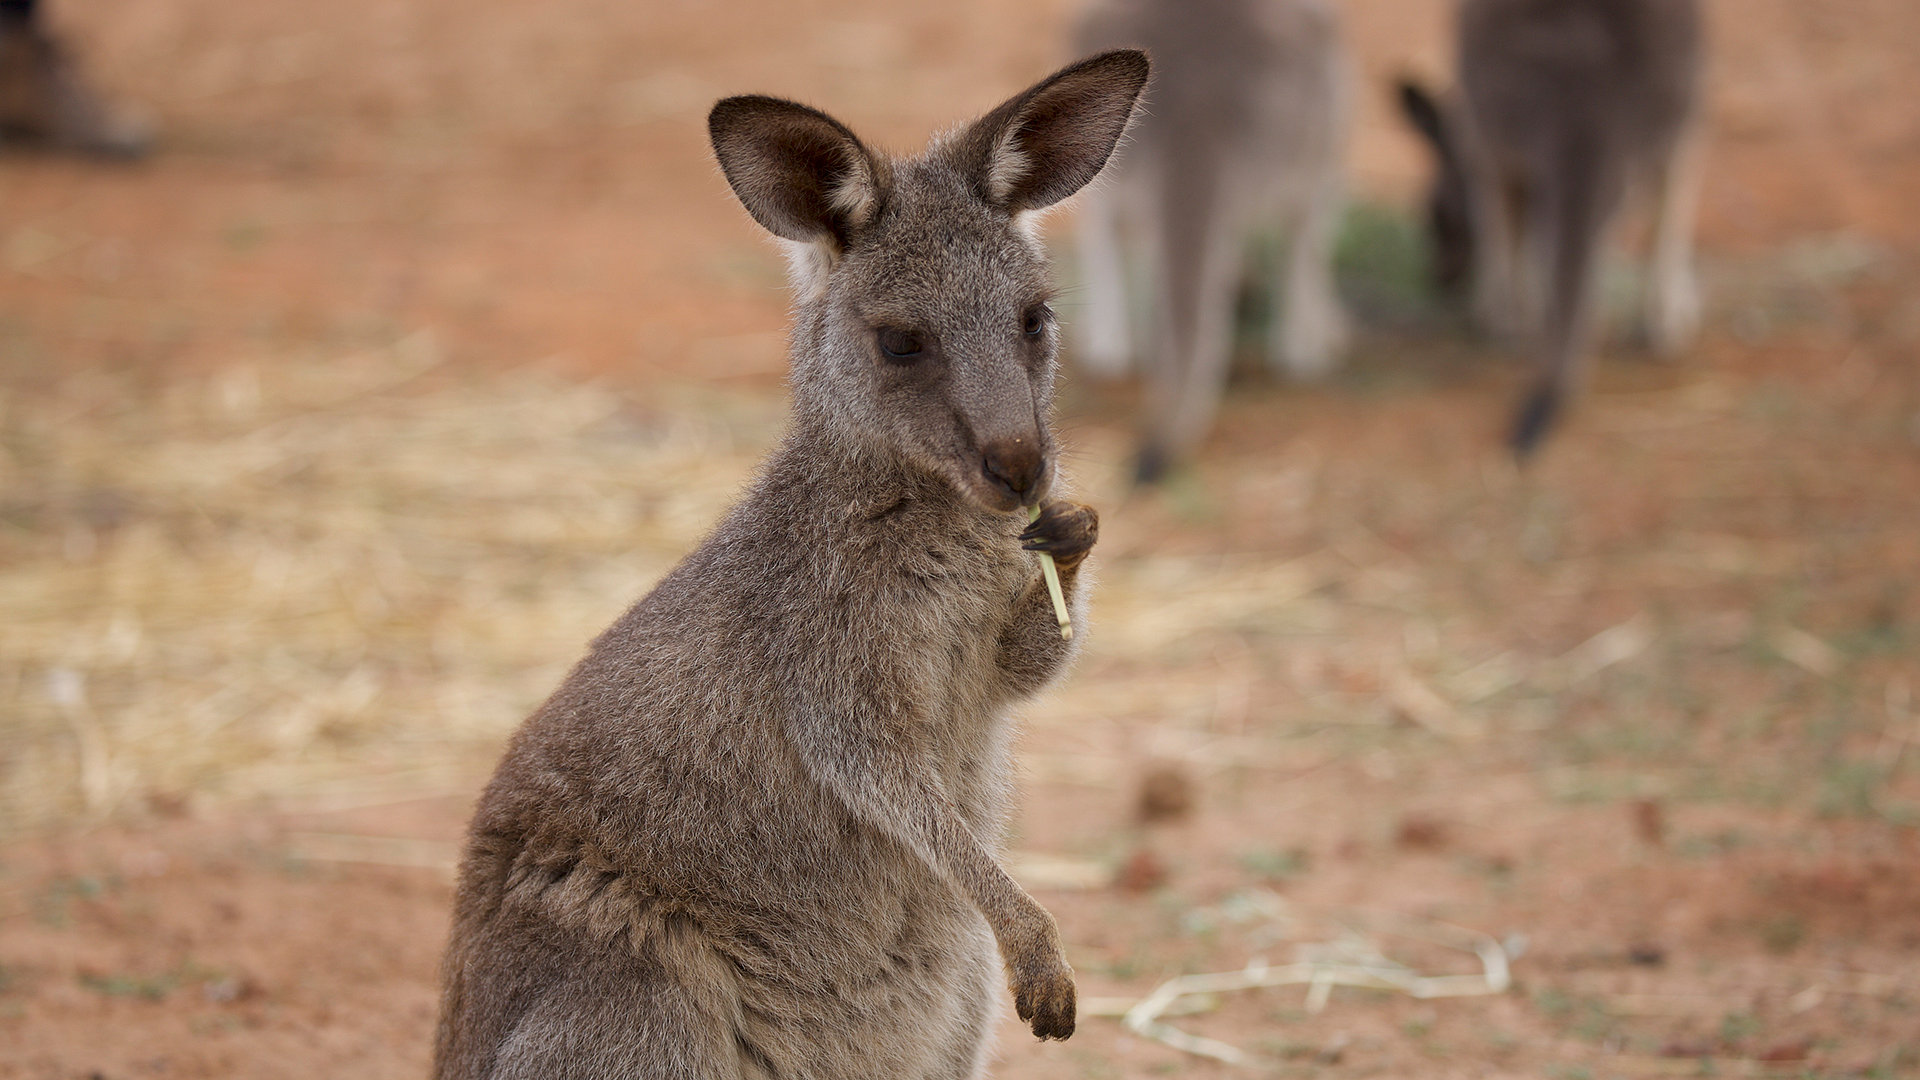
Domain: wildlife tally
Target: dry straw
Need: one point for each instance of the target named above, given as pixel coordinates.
(334, 579)
(1353, 958)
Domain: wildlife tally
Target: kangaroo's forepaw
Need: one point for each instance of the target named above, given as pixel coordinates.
(1066, 531)
(1043, 995)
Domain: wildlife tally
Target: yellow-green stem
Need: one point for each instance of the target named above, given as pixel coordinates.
(1052, 574)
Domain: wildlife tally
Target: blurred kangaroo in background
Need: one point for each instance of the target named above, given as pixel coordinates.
(753, 833)
(1243, 137)
(1565, 108)
(45, 99)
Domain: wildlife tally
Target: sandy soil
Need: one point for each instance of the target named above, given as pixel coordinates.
(1645, 714)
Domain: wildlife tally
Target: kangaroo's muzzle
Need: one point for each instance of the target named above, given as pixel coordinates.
(1015, 466)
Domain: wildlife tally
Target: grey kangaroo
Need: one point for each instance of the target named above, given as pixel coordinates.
(1565, 107)
(753, 833)
(1244, 137)
(45, 100)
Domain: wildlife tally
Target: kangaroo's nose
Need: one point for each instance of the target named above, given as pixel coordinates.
(1015, 465)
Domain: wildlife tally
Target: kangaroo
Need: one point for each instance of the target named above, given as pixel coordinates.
(44, 98)
(1565, 107)
(753, 833)
(1245, 137)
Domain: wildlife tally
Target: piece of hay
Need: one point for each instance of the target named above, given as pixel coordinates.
(1052, 574)
(1349, 962)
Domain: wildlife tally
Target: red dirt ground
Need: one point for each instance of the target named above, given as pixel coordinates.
(1694, 799)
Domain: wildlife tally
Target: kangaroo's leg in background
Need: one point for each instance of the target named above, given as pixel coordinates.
(1198, 278)
(1496, 238)
(1537, 246)
(48, 97)
(1105, 345)
(1311, 332)
(1673, 287)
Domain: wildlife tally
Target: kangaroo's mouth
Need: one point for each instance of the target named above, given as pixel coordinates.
(993, 497)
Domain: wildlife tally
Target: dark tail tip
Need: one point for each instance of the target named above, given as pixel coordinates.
(1536, 418)
(1151, 466)
(1420, 109)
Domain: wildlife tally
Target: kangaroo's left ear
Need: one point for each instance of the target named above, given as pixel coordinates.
(1049, 142)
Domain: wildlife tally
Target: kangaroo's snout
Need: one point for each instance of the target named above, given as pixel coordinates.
(1015, 466)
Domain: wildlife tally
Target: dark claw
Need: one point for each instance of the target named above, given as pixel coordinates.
(1055, 1023)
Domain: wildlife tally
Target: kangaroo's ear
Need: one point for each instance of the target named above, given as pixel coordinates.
(798, 171)
(1048, 142)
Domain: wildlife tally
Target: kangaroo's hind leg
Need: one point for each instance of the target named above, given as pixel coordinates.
(1311, 332)
(1200, 261)
(1104, 336)
(1673, 287)
(1499, 294)
(618, 1016)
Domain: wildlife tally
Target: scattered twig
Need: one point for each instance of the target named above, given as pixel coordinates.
(1614, 645)
(1424, 706)
(1802, 648)
(68, 689)
(1351, 962)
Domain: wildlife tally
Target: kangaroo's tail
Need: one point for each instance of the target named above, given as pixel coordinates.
(1574, 207)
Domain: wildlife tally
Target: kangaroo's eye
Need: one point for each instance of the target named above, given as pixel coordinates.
(1035, 321)
(899, 345)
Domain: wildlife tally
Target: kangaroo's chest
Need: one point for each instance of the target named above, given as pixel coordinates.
(965, 696)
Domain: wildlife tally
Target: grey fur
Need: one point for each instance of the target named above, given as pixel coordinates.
(1565, 108)
(1244, 136)
(753, 833)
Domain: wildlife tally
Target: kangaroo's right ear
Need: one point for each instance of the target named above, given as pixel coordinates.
(798, 171)
(1050, 141)
(1423, 112)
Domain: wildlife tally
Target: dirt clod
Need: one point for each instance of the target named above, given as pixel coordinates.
(1647, 955)
(1143, 872)
(1166, 793)
(1421, 832)
(1649, 821)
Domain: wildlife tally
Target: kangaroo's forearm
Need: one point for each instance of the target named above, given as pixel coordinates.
(896, 797)
(1031, 649)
